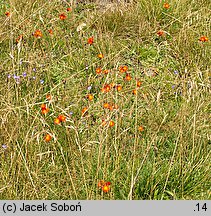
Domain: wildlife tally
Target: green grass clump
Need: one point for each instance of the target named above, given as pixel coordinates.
(159, 145)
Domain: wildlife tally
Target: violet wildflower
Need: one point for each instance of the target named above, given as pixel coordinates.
(89, 88)
(4, 146)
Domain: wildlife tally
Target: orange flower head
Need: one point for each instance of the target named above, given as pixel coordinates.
(48, 97)
(108, 183)
(106, 88)
(111, 123)
(62, 16)
(118, 87)
(7, 13)
(106, 71)
(134, 91)
(141, 128)
(37, 34)
(203, 39)
(101, 183)
(48, 137)
(50, 31)
(43, 106)
(206, 38)
(128, 77)
(106, 105)
(166, 5)
(105, 188)
(45, 110)
(19, 39)
(84, 111)
(110, 107)
(100, 56)
(90, 40)
(123, 69)
(160, 33)
(62, 118)
(69, 9)
(57, 121)
(98, 70)
(90, 97)
(138, 83)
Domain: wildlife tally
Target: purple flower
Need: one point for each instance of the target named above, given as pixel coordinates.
(24, 74)
(17, 79)
(4, 146)
(34, 69)
(89, 88)
(176, 72)
(41, 81)
(8, 76)
(71, 113)
(173, 86)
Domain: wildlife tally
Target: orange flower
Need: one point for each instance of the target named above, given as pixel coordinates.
(62, 16)
(160, 33)
(166, 5)
(105, 188)
(100, 56)
(62, 118)
(111, 123)
(50, 31)
(203, 39)
(84, 111)
(37, 34)
(90, 40)
(138, 83)
(90, 97)
(69, 9)
(123, 69)
(110, 107)
(100, 183)
(57, 121)
(98, 70)
(141, 128)
(44, 109)
(19, 39)
(43, 106)
(106, 88)
(106, 71)
(106, 105)
(104, 185)
(118, 87)
(128, 77)
(47, 137)
(135, 92)
(7, 13)
(48, 97)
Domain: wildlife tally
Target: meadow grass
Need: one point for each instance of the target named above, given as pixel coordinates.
(159, 145)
